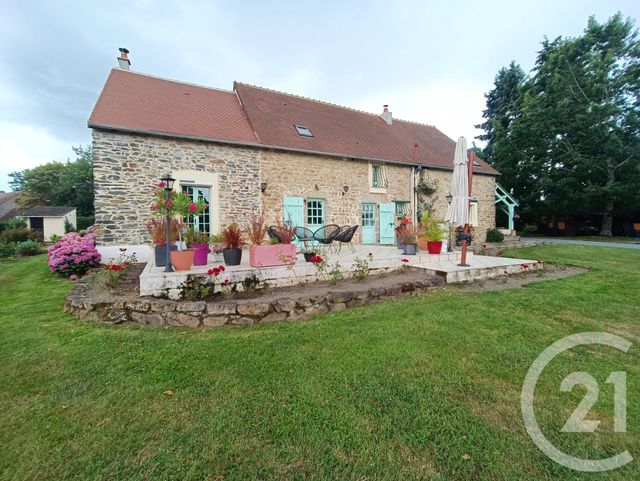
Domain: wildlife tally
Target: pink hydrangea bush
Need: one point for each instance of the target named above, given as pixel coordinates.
(74, 254)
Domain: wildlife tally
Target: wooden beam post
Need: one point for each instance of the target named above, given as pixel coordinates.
(463, 256)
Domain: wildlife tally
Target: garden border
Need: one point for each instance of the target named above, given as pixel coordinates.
(155, 312)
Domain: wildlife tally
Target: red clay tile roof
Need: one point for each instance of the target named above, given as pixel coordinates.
(258, 116)
(7, 196)
(343, 131)
(138, 102)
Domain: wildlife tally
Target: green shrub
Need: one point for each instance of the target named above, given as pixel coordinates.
(28, 248)
(20, 234)
(528, 229)
(6, 250)
(84, 221)
(494, 235)
(68, 226)
(12, 224)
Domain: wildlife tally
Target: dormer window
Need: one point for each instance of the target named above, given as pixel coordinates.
(303, 131)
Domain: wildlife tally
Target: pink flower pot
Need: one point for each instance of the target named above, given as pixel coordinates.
(272, 255)
(201, 254)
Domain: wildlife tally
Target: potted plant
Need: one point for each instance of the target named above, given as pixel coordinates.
(434, 236)
(178, 206)
(410, 241)
(158, 231)
(404, 222)
(274, 254)
(308, 254)
(217, 244)
(199, 242)
(431, 234)
(233, 240)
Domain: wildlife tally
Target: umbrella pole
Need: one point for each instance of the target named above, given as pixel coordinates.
(463, 255)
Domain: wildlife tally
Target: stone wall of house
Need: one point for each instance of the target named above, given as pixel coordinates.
(483, 187)
(316, 176)
(125, 166)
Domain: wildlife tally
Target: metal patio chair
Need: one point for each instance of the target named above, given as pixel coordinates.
(345, 236)
(326, 234)
(304, 235)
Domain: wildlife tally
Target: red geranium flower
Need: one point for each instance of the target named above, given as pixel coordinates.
(525, 266)
(226, 281)
(168, 203)
(404, 260)
(221, 268)
(370, 254)
(193, 207)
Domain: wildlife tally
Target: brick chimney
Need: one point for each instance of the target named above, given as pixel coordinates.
(386, 115)
(123, 59)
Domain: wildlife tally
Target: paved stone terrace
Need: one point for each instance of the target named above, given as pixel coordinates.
(155, 282)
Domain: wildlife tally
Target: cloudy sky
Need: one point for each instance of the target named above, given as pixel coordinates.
(431, 61)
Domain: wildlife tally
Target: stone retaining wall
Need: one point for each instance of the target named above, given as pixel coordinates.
(167, 313)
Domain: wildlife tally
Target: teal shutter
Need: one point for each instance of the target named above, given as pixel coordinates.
(386, 223)
(293, 209)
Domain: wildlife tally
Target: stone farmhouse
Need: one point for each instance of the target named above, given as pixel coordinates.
(302, 160)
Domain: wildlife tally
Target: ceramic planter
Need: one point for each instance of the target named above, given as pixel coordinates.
(232, 256)
(161, 255)
(423, 243)
(272, 255)
(182, 260)
(308, 256)
(434, 247)
(410, 249)
(201, 254)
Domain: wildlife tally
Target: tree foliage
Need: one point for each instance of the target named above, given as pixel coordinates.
(57, 183)
(567, 138)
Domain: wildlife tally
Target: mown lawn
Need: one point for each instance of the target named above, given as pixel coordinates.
(592, 238)
(422, 388)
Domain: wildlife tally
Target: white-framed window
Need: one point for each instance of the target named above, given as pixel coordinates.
(402, 207)
(377, 177)
(473, 212)
(200, 222)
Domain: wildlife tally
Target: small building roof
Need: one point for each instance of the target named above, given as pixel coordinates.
(46, 211)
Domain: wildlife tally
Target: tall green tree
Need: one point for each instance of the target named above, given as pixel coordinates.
(57, 183)
(574, 146)
(503, 106)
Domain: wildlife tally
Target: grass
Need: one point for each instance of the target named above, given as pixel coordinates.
(423, 388)
(593, 238)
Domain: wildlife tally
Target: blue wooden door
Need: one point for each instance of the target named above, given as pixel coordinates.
(386, 223)
(368, 223)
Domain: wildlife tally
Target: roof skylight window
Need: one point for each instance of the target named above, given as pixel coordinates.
(303, 131)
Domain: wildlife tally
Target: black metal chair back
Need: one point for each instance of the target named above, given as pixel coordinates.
(303, 234)
(274, 233)
(327, 233)
(348, 234)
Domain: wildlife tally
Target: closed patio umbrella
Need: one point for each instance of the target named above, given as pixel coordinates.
(458, 210)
